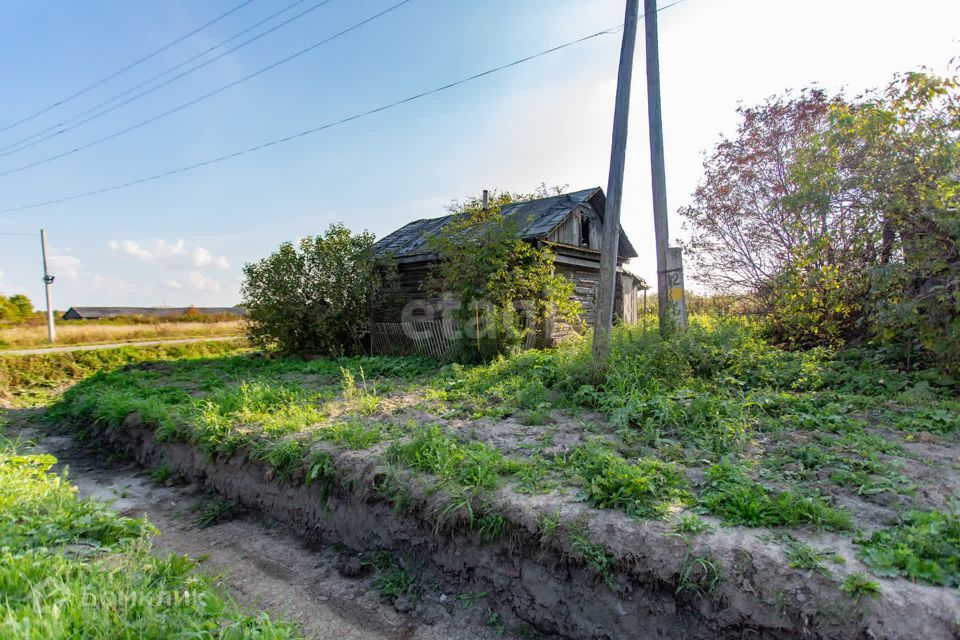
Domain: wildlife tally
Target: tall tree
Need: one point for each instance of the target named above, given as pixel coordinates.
(741, 234)
(891, 160)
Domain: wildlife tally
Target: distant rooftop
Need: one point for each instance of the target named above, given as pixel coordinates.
(95, 313)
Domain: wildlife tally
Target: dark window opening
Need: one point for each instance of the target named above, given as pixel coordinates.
(584, 231)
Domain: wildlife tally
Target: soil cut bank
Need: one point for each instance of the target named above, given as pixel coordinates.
(562, 568)
(324, 590)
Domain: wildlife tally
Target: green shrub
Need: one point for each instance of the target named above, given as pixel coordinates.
(313, 297)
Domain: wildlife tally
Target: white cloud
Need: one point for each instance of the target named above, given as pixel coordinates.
(200, 282)
(174, 254)
(165, 249)
(66, 267)
(172, 284)
(203, 258)
(130, 249)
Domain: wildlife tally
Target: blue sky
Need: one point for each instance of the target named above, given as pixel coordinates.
(183, 240)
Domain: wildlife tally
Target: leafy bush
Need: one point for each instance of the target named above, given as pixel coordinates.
(316, 298)
(15, 308)
(840, 216)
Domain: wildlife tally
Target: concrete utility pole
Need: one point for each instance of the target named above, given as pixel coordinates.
(670, 295)
(606, 288)
(47, 281)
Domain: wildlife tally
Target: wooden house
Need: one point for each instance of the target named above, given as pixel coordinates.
(571, 225)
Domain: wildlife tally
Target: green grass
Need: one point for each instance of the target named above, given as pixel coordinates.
(643, 488)
(470, 465)
(924, 547)
(691, 523)
(352, 434)
(763, 434)
(391, 579)
(802, 556)
(731, 494)
(857, 586)
(213, 513)
(490, 527)
(30, 379)
(71, 568)
(699, 575)
(160, 474)
(592, 554)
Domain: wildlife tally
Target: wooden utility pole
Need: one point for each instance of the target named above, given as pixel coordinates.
(606, 288)
(670, 295)
(47, 281)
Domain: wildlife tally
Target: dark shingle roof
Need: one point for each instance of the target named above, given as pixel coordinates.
(533, 219)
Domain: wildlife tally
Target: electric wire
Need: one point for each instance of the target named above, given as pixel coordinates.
(206, 96)
(133, 64)
(329, 125)
(55, 130)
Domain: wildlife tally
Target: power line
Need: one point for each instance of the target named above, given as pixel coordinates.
(10, 233)
(126, 68)
(329, 125)
(203, 97)
(56, 130)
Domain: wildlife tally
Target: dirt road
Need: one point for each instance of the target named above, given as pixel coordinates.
(112, 345)
(264, 565)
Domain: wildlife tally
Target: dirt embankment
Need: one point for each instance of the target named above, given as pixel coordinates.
(618, 579)
(324, 589)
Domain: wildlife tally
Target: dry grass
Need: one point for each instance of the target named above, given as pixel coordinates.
(74, 333)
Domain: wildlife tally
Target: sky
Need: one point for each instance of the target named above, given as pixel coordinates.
(183, 239)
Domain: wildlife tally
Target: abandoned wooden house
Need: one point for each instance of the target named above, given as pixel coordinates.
(571, 225)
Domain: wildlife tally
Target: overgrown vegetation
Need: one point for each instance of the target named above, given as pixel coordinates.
(29, 379)
(713, 421)
(71, 568)
(505, 287)
(925, 547)
(839, 216)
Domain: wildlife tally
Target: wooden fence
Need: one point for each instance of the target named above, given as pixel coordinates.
(421, 337)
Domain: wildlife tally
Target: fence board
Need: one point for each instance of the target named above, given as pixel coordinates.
(422, 337)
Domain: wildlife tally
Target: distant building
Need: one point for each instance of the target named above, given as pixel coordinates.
(96, 313)
(571, 225)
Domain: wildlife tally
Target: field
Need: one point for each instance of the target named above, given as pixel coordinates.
(35, 380)
(849, 471)
(80, 332)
